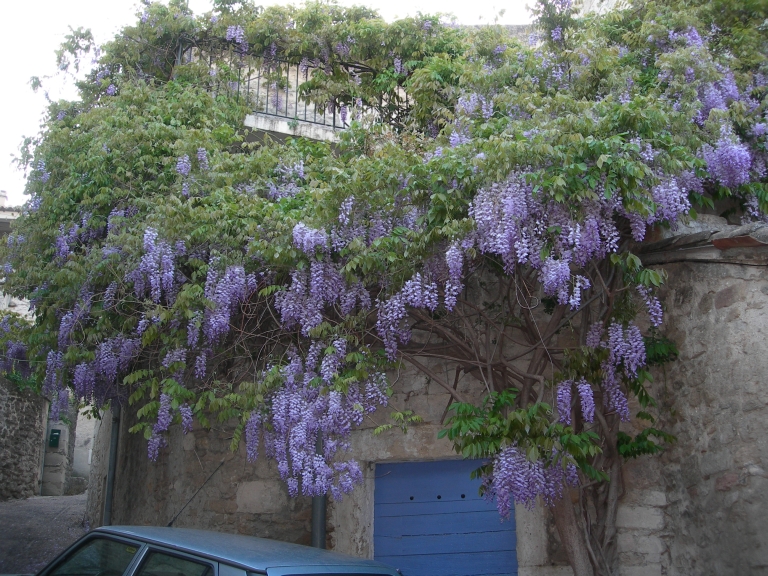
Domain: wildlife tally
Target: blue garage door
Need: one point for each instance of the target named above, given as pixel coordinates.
(429, 520)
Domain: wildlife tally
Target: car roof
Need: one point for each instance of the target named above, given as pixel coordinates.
(247, 551)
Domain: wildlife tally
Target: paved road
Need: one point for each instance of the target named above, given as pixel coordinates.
(34, 531)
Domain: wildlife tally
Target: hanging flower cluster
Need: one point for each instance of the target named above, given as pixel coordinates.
(308, 413)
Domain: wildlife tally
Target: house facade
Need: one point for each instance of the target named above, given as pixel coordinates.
(701, 507)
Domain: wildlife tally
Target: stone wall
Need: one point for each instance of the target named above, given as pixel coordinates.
(350, 521)
(700, 508)
(22, 426)
(198, 481)
(240, 497)
(716, 398)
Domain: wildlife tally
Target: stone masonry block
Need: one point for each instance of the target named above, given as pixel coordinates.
(647, 570)
(222, 506)
(641, 544)
(261, 497)
(727, 482)
(646, 498)
(641, 518)
(714, 462)
(188, 442)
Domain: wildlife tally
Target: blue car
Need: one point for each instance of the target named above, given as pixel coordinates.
(153, 551)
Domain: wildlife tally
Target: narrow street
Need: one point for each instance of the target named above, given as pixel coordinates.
(35, 530)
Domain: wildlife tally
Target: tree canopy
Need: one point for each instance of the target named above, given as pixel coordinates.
(485, 202)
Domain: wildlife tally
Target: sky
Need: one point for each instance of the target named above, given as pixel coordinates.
(31, 30)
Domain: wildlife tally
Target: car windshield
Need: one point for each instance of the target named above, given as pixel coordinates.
(97, 557)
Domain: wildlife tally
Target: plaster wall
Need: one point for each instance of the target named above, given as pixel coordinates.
(58, 479)
(86, 427)
(97, 477)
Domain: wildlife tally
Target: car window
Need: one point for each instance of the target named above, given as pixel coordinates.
(162, 564)
(97, 557)
(227, 570)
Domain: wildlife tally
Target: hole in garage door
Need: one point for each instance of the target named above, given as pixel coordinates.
(429, 520)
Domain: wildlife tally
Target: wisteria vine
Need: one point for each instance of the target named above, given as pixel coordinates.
(183, 267)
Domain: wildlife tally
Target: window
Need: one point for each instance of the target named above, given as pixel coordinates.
(97, 557)
(161, 564)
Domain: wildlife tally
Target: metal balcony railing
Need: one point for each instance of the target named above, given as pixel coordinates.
(278, 88)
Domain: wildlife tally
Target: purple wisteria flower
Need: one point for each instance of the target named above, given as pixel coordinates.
(227, 294)
(458, 137)
(156, 273)
(186, 418)
(390, 323)
(454, 260)
(183, 165)
(626, 352)
(728, 162)
(671, 201)
(174, 356)
(301, 413)
(652, 304)
(515, 479)
(308, 240)
(201, 364)
(154, 444)
(252, 436)
(595, 335)
(44, 174)
(109, 295)
(235, 34)
(564, 395)
(202, 159)
(587, 400)
(163, 414)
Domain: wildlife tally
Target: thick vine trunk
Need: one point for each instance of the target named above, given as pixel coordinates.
(572, 537)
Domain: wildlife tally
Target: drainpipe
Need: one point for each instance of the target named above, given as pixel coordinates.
(115, 433)
(318, 509)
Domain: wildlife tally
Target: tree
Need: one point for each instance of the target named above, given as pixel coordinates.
(489, 221)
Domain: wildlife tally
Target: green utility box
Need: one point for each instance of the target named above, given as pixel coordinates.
(53, 441)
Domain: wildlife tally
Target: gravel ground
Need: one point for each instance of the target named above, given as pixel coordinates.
(35, 530)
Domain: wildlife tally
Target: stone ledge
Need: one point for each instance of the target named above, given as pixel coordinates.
(544, 571)
(281, 127)
(710, 240)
